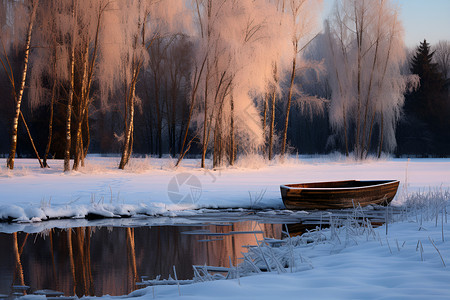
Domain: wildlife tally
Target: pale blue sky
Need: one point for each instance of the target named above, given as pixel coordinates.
(422, 19)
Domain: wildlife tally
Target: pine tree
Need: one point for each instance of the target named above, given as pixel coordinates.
(423, 102)
(422, 128)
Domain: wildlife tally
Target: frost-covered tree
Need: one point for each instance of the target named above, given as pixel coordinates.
(178, 69)
(215, 78)
(238, 41)
(273, 89)
(66, 63)
(93, 12)
(164, 86)
(99, 45)
(442, 57)
(133, 26)
(302, 24)
(134, 56)
(366, 50)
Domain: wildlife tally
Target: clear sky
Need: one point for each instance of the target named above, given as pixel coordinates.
(422, 19)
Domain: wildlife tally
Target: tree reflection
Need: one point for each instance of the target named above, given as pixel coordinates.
(96, 261)
(18, 274)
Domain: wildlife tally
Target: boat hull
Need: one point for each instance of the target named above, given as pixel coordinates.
(338, 194)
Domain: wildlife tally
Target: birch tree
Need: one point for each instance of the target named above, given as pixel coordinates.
(71, 87)
(31, 7)
(68, 38)
(273, 88)
(131, 28)
(45, 66)
(93, 12)
(303, 23)
(133, 59)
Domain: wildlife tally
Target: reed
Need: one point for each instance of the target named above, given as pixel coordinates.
(345, 229)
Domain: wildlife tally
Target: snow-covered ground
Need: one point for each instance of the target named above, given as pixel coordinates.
(152, 186)
(411, 262)
(401, 265)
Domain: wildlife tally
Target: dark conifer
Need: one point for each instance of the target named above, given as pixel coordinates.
(423, 124)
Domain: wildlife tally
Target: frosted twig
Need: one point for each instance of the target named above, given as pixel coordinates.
(236, 270)
(278, 265)
(262, 255)
(386, 221)
(196, 274)
(379, 239)
(231, 268)
(251, 263)
(291, 248)
(387, 241)
(420, 247)
(176, 279)
(443, 239)
(437, 250)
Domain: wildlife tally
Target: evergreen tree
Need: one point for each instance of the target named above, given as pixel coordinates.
(423, 128)
(424, 101)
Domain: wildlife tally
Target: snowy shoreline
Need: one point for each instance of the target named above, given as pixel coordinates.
(407, 260)
(31, 194)
(356, 266)
(410, 261)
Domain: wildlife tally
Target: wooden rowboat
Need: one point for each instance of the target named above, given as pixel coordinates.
(338, 194)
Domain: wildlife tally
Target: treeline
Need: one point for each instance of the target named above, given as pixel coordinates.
(216, 79)
(424, 128)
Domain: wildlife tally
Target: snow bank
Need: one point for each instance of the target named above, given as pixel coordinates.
(409, 262)
(30, 194)
(408, 259)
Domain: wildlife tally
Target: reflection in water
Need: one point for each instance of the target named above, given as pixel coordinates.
(297, 229)
(18, 270)
(98, 261)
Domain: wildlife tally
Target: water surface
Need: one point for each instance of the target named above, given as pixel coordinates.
(109, 260)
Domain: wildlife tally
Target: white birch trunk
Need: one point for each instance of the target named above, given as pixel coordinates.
(71, 91)
(13, 147)
(288, 108)
(127, 145)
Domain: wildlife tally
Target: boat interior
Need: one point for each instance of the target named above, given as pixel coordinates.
(339, 184)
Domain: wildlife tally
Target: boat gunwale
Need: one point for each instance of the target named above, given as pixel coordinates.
(339, 188)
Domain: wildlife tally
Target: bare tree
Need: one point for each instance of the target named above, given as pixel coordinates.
(195, 82)
(273, 96)
(145, 22)
(52, 102)
(134, 60)
(71, 86)
(442, 57)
